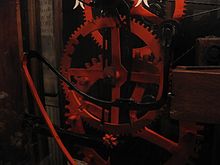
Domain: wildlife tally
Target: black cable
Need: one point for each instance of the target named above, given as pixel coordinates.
(117, 103)
(126, 4)
(58, 74)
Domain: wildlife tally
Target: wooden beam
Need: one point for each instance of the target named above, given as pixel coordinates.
(196, 95)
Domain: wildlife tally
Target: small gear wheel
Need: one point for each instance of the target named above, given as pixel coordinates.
(147, 71)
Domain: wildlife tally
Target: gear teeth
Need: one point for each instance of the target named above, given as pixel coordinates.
(180, 7)
(72, 36)
(135, 20)
(185, 8)
(96, 40)
(149, 29)
(67, 107)
(154, 33)
(78, 29)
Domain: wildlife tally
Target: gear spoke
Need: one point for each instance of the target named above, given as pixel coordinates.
(137, 95)
(159, 140)
(116, 56)
(121, 72)
(116, 91)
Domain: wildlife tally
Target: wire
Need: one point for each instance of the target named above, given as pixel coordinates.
(127, 5)
(118, 102)
(201, 13)
(199, 3)
(203, 3)
(183, 55)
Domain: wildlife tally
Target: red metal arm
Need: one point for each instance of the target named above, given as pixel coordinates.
(44, 113)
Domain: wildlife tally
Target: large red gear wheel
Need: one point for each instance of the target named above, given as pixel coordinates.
(85, 108)
(91, 113)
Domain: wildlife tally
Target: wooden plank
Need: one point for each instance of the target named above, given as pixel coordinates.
(196, 95)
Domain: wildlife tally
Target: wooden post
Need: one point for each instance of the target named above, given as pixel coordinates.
(11, 85)
(40, 148)
(50, 37)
